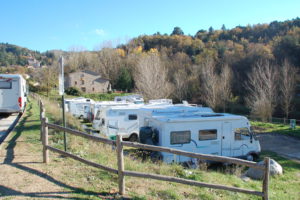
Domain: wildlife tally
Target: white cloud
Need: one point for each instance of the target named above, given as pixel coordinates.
(99, 32)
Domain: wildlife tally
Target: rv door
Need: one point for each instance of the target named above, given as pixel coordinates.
(226, 139)
(112, 127)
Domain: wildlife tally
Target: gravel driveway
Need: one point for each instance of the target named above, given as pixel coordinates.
(283, 145)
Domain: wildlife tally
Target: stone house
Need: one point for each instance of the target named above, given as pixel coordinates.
(87, 82)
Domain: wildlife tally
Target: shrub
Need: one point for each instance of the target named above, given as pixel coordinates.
(73, 91)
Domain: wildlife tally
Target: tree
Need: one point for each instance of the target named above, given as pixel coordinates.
(263, 90)
(216, 87)
(225, 85)
(151, 77)
(177, 31)
(287, 86)
(124, 81)
(181, 80)
(223, 28)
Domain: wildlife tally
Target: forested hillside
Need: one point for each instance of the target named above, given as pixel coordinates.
(15, 55)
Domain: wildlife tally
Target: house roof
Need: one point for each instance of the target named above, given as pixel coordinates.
(91, 72)
(101, 80)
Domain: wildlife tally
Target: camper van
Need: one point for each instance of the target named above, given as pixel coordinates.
(13, 93)
(207, 133)
(125, 120)
(120, 120)
(98, 107)
(79, 107)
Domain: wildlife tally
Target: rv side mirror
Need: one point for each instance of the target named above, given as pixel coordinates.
(251, 138)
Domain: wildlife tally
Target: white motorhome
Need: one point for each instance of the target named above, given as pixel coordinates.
(79, 107)
(207, 133)
(135, 98)
(13, 93)
(125, 120)
(97, 109)
(121, 120)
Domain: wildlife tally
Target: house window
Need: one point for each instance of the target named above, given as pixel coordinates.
(180, 137)
(82, 82)
(75, 82)
(83, 89)
(208, 134)
(93, 89)
(132, 117)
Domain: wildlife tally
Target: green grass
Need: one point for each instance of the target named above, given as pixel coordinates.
(91, 183)
(275, 128)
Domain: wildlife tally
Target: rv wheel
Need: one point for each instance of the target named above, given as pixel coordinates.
(133, 138)
(250, 157)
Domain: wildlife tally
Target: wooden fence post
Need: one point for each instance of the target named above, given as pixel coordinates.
(42, 115)
(45, 140)
(266, 178)
(121, 179)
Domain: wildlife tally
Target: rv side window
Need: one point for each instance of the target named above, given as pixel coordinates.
(180, 137)
(241, 133)
(5, 85)
(208, 134)
(132, 117)
(97, 115)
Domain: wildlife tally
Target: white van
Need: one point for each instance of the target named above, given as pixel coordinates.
(125, 120)
(79, 107)
(13, 93)
(207, 133)
(120, 120)
(97, 109)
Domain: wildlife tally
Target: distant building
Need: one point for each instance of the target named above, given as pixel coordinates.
(88, 82)
(34, 63)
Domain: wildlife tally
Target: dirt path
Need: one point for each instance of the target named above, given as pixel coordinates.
(283, 145)
(6, 123)
(22, 173)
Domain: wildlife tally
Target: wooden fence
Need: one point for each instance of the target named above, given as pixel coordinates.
(121, 172)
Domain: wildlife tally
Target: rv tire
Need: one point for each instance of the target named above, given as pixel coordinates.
(133, 138)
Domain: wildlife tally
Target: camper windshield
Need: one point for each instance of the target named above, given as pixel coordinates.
(242, 133)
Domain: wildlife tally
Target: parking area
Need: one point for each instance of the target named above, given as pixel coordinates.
(283, 145)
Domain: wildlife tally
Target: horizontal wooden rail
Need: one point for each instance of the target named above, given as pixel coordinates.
(195, 155)
(81, 134)
(112, 170)
(190, 182)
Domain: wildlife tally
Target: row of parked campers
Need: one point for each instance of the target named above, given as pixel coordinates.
(13, 93)
(179, 126)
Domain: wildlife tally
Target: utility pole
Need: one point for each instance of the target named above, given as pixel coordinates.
(62, 93)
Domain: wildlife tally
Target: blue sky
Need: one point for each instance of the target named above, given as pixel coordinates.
(67, 24)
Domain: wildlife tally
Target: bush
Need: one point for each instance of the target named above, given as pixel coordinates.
(72, 91)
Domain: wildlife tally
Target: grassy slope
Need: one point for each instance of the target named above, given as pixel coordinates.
(275, 128)
(91, 183)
